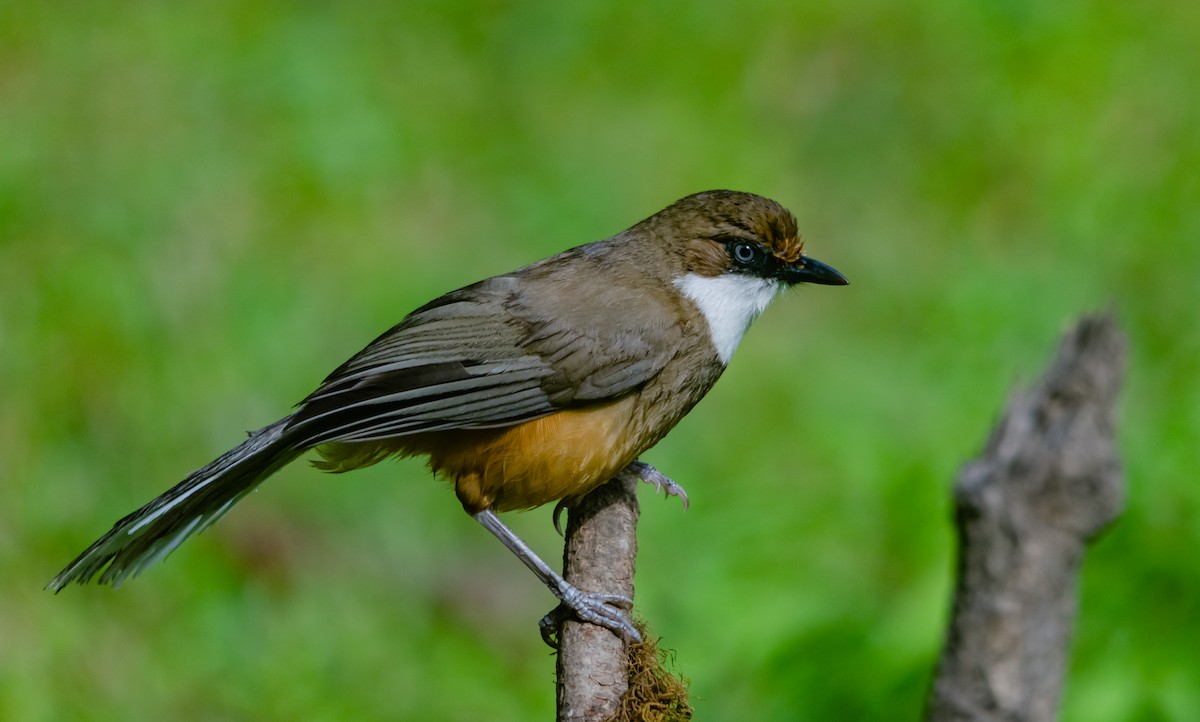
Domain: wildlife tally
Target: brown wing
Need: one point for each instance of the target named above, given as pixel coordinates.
(490, 355)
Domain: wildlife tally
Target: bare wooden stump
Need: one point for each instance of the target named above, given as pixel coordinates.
(601, 546)
(1049, 480)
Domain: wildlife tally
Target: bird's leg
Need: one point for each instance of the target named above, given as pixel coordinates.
(601, 609)
(640, 471)
(661, 482)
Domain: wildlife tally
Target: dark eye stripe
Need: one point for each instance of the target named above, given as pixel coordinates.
(749, 257)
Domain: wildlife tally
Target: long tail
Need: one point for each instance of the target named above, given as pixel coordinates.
(152, 532)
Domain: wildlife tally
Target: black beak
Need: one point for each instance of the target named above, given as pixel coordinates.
(810, 270)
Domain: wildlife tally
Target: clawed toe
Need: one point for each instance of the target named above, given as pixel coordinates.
(604, 610)
(660, 481)
(556, 517)
(550, 626)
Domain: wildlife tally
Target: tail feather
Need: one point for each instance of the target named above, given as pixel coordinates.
(146, 536)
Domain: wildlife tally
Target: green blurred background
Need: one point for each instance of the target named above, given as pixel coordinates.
(205, 207)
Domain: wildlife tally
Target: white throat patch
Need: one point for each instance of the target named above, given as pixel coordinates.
(729, 303)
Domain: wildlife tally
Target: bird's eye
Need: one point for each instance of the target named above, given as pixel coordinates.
(744, 253)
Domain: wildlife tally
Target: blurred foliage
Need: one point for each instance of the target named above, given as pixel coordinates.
(206, 206)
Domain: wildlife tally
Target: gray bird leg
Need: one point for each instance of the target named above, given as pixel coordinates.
(600, 609)
(641, 471)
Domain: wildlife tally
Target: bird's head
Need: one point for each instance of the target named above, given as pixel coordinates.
(734, 252)
(728, 232)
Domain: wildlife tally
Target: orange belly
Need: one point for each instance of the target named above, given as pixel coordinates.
(564, 455)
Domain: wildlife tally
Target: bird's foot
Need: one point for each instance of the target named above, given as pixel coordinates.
(604, 610)
(660, 481)
(640, 471)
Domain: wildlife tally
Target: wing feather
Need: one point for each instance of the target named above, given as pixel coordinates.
(489, 355)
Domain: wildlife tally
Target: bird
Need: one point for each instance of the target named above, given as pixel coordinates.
(526, 388)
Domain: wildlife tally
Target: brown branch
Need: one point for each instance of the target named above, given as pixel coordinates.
(601, 546)
(1049, 480)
